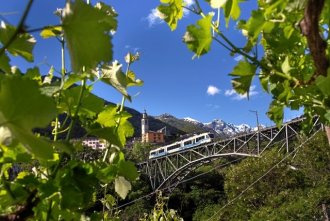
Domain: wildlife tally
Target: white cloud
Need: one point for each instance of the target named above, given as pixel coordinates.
(232, 93)
(212, 90)
(189, 3)
(155, 17)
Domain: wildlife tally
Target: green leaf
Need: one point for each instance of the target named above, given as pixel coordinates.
(22, 108)
(128, 170)
(72, 79)
(327, 116)
(255, 24)
(323, 83)
(276, 112)
(108, 133)
(243, 74)
(199, 37)
(264, 80)
(171, 12)
(4, 63)
(122, 186)
(286, 65)
(14, 153)
(90, 104)
(111, 119)
(23, 105)
(113, 75)
(51, 31)
(232, 10)
(87, 33)
(131, 58)
(132, 81)
(38, 146)
(21, 46)
(107, 174)
(34, 74)
(282, 92)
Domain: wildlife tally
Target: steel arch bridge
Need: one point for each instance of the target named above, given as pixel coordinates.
(168, 171)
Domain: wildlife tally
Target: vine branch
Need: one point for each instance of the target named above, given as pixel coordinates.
(19, 28)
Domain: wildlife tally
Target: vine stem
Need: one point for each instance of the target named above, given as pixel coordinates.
(62, 84)
(124, 99)
(19, 28)
(120, 110)
(74, 118)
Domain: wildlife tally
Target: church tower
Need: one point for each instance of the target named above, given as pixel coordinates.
(144, 126)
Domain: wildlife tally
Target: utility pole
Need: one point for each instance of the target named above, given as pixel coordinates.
(258, 131)
(256, 112)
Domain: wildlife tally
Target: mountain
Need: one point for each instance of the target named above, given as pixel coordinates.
(218, 127)
(227, 129)
(181, 124)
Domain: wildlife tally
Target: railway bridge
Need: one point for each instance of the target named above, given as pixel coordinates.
(166, 172)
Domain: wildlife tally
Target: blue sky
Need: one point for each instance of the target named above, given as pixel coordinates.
(175, 83)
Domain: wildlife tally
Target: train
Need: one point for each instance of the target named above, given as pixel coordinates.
(187, 143)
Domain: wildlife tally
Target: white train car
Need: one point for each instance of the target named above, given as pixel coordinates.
(187, 143)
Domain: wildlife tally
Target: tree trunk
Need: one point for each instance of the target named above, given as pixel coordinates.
(327, 130)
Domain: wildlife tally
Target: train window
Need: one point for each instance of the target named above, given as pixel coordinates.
(173, 147)
(211, 136)
(187, 142)
(152, 153)
(161, 151)
(200, 138)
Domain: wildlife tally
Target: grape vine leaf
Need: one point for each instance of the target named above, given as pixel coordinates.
(87, 33)
(132, 81)
(323, 83)
(111, 119)
(122, 186)
(34, 74)
(255, 24)
(128, 170)
(51, 31)
(276, 112)
(90, 104)
(199, 37)
(171, 11)
(4, 63)
(21, 46)
(286, 65)
(22, 108)
(231, 10)
(243, 74)
(113, 75)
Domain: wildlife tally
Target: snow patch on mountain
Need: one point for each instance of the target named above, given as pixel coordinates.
(191, 120)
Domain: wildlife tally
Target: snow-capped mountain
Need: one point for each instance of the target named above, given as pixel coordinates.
(222, 127)
(190, 125)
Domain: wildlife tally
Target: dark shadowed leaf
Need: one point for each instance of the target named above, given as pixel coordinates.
(87, 33)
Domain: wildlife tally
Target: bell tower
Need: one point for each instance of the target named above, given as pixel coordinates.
(144, 126)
